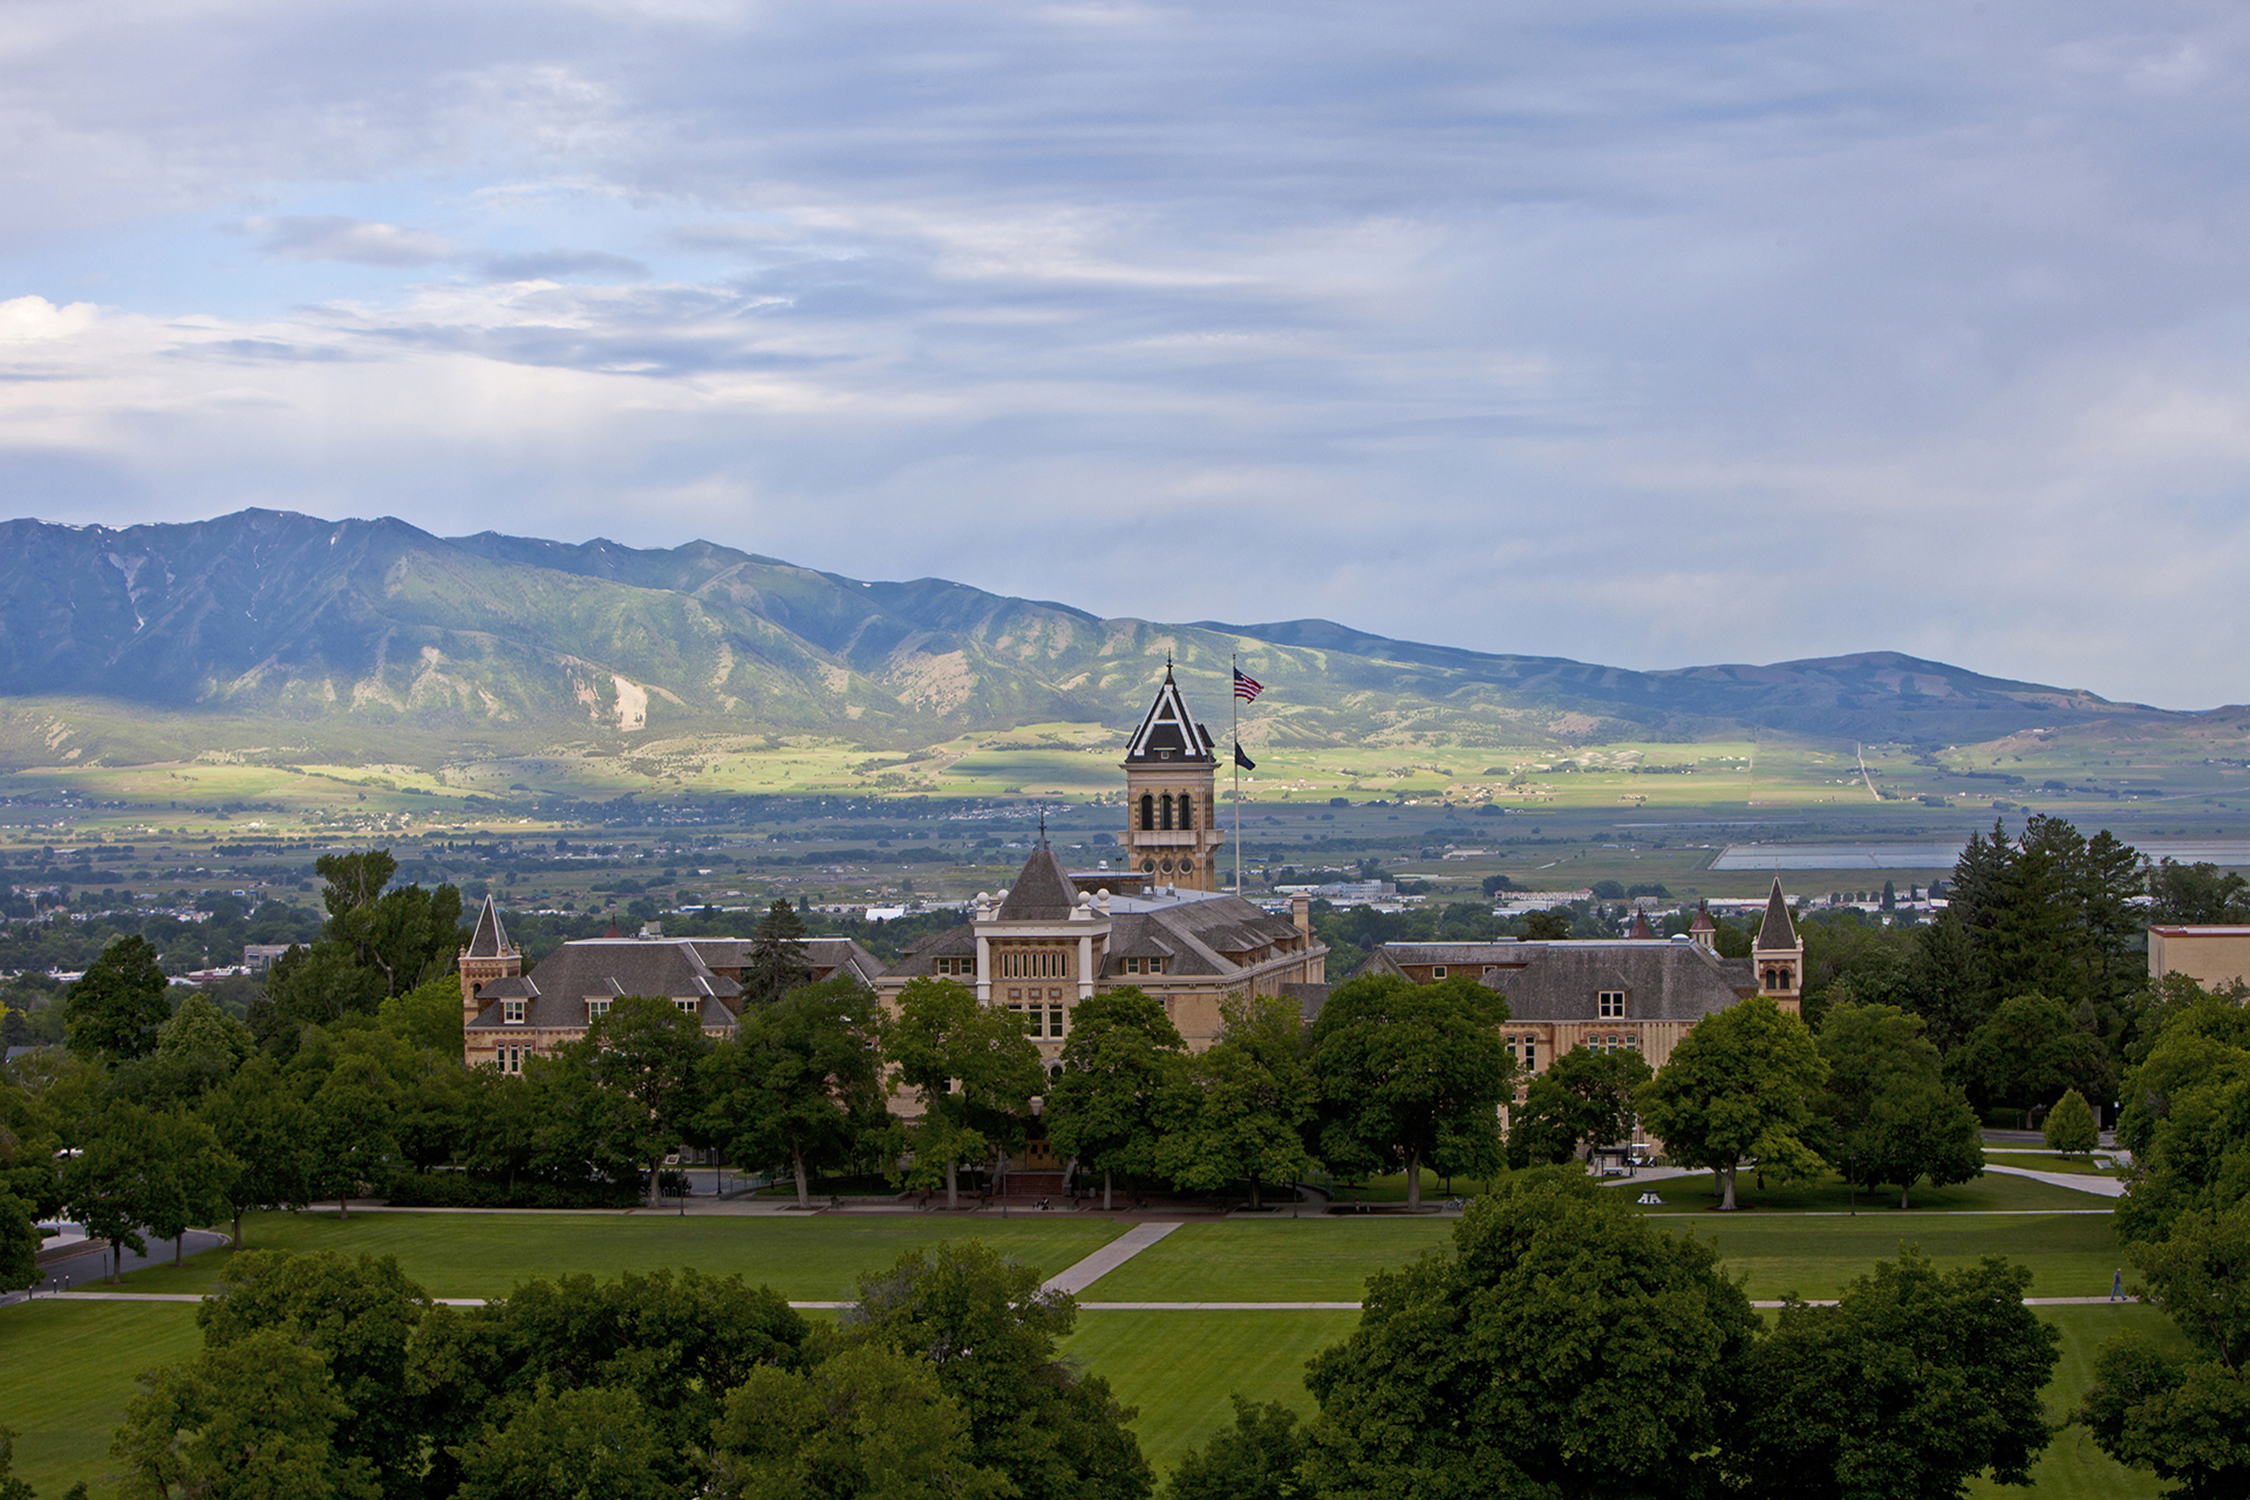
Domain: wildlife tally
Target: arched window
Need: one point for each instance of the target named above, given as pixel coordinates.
(1148, 813)
(1166, 802)
(1187, 810)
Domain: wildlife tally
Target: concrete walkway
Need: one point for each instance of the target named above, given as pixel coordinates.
(2082, 1182)
(1107, 1259)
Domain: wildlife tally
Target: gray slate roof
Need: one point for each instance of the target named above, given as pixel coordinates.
(1664, 981)
(607, 968)
(1042, 892)
(490, 940)
(1777, 931)
(1169, 732)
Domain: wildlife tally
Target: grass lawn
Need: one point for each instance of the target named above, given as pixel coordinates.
(2069, 1255)
(2051, 1161)
(1987, 1194)
(70, 1370)
(2072, 1468)
(1270, 1260)
(1180, 1367)
(816, 1258)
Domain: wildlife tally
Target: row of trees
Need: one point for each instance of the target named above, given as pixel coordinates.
(324, 1378)
(2181, 1407)
(1567, 1346)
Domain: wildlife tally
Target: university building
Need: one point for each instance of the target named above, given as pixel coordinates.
(508, 1015)
(1055, 939)
(1641, 993)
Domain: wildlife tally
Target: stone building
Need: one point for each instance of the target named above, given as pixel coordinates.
(508, 1015)
(1050, 941)
(1172, 833)
(1641, 993)
(2213, 956)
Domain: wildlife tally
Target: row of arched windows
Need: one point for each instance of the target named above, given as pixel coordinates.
(1157, 812)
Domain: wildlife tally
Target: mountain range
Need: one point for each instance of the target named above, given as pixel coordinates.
(350, 633)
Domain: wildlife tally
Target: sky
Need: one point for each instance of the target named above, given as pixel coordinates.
(1647, 334)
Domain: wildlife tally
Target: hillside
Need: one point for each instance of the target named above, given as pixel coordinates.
(267, 627)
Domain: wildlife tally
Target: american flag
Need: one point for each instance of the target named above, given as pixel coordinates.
(1247, 688)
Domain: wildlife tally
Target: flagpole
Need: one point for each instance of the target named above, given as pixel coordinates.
(1234, 661)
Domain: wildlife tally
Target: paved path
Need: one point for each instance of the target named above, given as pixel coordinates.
(1107, 1259)
(2083, 1182)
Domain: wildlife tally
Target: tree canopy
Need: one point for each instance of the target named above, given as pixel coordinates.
(118, 1009)
(1121, 1060)
(1410, 1075)
(1743, 1085)
(1891, 1116)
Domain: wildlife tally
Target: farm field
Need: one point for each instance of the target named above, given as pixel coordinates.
(71, 1361)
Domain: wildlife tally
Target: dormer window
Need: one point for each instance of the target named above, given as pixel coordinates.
(1609, 1005)
(511, 1012)
(1437, 971)
(595, 1010)
(690, 1007)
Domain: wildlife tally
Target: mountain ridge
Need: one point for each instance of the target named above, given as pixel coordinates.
(358, 627)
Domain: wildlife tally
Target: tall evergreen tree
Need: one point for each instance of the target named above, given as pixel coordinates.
(117, 1010)
(777, 962)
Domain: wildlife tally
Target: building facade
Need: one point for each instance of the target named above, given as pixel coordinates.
(509, 1016)
(1640, 993)
(2213, 956)
(1172, 834)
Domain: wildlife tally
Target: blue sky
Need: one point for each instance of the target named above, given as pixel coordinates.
(1644, 334)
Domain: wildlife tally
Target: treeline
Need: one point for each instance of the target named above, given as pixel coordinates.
(324, 1378)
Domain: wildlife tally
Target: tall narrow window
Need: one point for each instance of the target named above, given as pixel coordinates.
(1187, 811)
(1165, 804)
(1148, 813)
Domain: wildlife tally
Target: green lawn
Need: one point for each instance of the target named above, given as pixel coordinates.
(816, 1258)
(70, 1370)
(1275, 1260)
(1180, 1367)
(1987, 1194)
(2072, 1468)
(2051, 1161)
(1269, 1260)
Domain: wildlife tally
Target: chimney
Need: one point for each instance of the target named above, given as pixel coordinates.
(1300, 912)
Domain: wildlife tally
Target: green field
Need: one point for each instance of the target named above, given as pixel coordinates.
(1145, 1355)
(70, 1368)
(70, 1362)
(1992, 1193)
(818, 1258)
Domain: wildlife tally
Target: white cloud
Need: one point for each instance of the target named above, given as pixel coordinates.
(1729, 330)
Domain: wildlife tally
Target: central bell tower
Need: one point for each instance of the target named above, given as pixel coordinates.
(1171, 804)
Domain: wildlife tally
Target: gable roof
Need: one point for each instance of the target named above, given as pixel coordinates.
(1169, 732)
(491, 940)
(1663, 981)
(1777, 931)
(605, 968)
(1042, 892)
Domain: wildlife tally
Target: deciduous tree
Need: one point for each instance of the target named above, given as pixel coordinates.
(2070, 1125)
(1246, 1105)
(987, 1331)
(1409, 1075)
(1891, 1116)
(865, 1422)
(1915, 1383)
(116, 1011)
(1566, 1347)
(2028, 1051)
(1586, 1097)
(255, 1420)
(1121, 1060)
(973, 1070)
(1741, 1086)
(649, 1050)
(801, 1080)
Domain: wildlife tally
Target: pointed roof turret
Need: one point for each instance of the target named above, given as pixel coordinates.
(1042, 892)
(1170, 732)
(1777, 930)
(1641, 929)
(1702, 922)
(490, 940)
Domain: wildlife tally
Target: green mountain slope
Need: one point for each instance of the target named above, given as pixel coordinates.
(363, 633)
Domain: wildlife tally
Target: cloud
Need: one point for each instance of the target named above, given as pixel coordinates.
(557, 265)
(1717, 330)
(353, 241)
